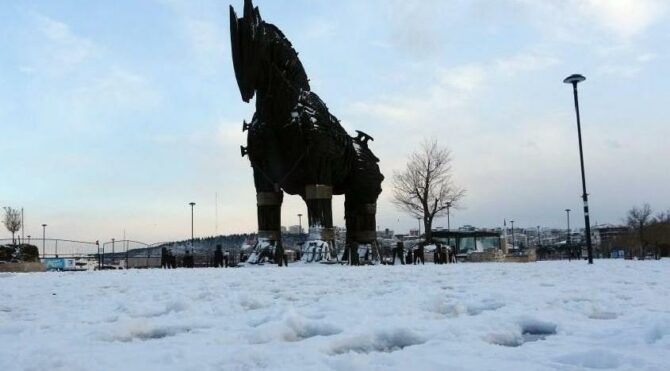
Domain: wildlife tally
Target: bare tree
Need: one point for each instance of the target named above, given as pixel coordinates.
(12, 220)
(425, 189)
(638, 219)
(663, 217)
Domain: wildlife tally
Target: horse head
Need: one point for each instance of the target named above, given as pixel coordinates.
(246, 43)
(260, 50)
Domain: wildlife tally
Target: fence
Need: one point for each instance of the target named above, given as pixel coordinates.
(122, 254)
(55, 247)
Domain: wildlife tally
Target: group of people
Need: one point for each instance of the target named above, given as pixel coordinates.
(442, 254)
(169, 260)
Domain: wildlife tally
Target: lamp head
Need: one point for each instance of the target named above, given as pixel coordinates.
(574, 79)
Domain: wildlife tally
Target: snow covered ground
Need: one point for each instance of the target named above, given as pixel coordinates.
(488, 316)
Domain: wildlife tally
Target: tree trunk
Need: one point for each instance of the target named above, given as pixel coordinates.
(428, 224)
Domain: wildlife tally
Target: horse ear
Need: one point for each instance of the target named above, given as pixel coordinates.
(248, 8)
(251, 14)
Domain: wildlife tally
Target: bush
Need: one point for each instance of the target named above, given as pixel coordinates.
(28, 253)
(6, 253)
(22, 253)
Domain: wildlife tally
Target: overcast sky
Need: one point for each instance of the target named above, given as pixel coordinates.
(114, 115)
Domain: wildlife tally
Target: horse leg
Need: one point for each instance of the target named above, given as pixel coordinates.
(361, 224)
(269, 220)
(318, 198)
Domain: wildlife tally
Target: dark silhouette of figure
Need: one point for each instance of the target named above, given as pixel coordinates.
(418, 254)
(165, 258)
(219, 260)
(410, 257)
(188, 260)
(295, 145)
(399, 251)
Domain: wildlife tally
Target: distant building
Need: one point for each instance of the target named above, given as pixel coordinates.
(604, 236)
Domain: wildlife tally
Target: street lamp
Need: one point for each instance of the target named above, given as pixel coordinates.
(574, 80)
(513, 239)
(300, 224)
(448, 216)
(44, 233)
(567, 238)
(192, 204)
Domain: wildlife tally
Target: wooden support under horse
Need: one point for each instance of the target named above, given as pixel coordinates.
(318, 198)
(269, 225)
(361, 230)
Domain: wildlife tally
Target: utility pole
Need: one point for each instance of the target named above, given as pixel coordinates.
(44, 233)
(568, 238)
(574, 80)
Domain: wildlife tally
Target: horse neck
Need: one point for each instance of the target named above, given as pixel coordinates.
(282, 80)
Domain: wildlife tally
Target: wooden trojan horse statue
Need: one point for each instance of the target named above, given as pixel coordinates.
(295, 145)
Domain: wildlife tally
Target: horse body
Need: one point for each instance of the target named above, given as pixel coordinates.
(294, 144)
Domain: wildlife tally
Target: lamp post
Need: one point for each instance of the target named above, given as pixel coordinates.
(513, 239)
(574, 80)
(300, 224)
(192, 204)
(539, 240)
(448, 216)
(568, 241)
(44, 233)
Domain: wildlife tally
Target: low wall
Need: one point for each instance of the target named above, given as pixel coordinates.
(527, 257)
(486, 256)
(22, 267)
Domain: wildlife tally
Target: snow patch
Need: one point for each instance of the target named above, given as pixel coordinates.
(142, 331)
(528, 330)
(595, 359)
(381, 341)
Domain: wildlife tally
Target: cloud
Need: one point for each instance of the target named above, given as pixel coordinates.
(624, 18)
(576, 20)
(452, 87)
(621, 70)
(118, 89)
(415, 26)
(464, 79)
(209, 43)
(64, 50)
(524, 62)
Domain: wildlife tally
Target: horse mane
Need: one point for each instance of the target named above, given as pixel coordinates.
(281, 54)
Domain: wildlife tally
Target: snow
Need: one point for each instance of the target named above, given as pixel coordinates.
(487, 316)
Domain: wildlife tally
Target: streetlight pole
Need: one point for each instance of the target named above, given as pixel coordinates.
(300, 224)
(574, 80)
(44, 234)
(192, 204)
(513, 239)
(568, 241)
(448, 216)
